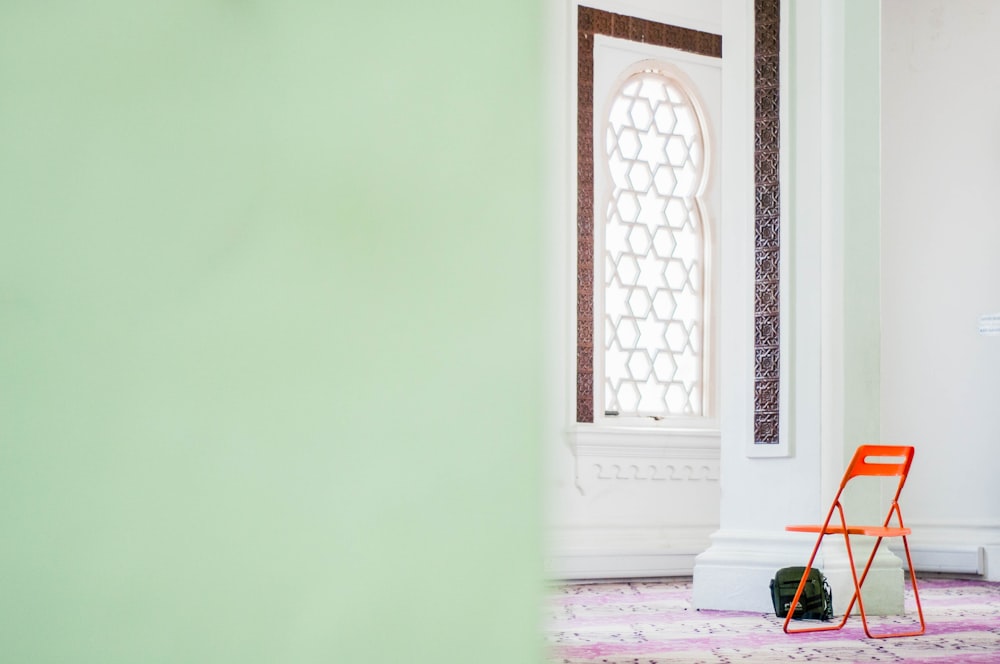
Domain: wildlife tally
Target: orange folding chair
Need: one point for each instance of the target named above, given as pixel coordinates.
(870, 461)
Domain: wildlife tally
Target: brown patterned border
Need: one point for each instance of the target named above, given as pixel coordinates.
(590, 22)
(768, 222)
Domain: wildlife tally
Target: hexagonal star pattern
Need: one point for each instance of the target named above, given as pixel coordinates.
(654, 251)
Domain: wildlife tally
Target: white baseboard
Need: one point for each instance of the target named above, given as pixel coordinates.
(740, 563)
(616, 553)
(945, 558)
(955, 549)
(620, 566)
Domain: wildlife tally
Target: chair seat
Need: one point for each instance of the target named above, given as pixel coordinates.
(873, 531)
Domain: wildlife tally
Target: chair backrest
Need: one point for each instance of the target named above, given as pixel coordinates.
(880, 461)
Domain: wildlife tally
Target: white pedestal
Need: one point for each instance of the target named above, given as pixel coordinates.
(735, 572)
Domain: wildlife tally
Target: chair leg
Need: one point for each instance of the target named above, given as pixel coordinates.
(916, 597)
(798, 594)
(913, 581)
(856, 597)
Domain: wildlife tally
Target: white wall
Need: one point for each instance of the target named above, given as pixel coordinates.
(941, 269)
(619, 502)
(883, 343)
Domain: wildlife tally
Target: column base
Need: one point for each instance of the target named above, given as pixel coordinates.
(735, 572)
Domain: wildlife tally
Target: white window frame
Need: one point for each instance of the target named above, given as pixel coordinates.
(708, 422)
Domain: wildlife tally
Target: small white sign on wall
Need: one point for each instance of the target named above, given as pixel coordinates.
(989, 325)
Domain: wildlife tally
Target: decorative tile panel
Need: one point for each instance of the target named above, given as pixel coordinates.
(767, 216)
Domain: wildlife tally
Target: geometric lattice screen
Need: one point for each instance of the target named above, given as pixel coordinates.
(654, 270)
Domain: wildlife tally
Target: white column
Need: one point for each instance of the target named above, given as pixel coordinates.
(761, 494)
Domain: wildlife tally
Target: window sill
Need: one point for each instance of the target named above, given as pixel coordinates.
(650, 441)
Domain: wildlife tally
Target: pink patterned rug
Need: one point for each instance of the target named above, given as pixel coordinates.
(653, 623)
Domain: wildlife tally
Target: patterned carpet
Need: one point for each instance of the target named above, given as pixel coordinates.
(653, 623)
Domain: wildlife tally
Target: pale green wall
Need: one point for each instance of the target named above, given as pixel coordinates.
(269, 316)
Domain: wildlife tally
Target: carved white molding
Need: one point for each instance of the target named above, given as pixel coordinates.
(699, 472)
(645, 453)
(631, 454)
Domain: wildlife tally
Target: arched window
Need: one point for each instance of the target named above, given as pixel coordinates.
(653, 249)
